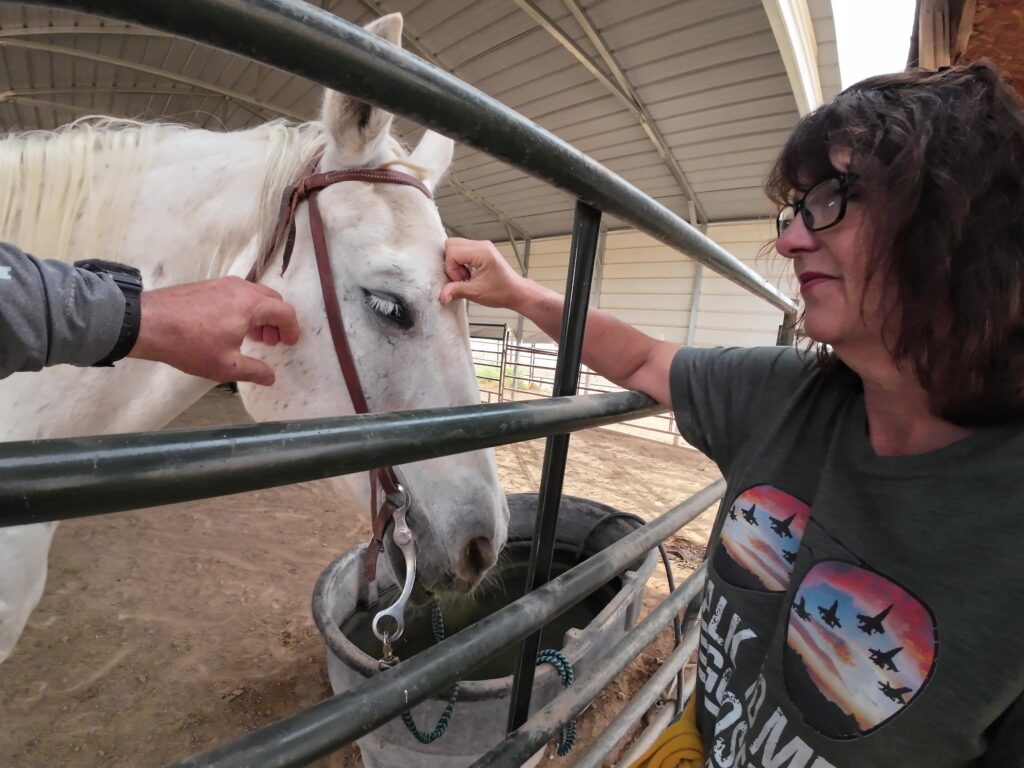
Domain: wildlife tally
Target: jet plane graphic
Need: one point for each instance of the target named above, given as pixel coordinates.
(732, 511)
(801, 610)
(871, 624)
(748, 515)
(829, 616)
(789, 557)
(895, 694)
(884, 659)
(781, 527)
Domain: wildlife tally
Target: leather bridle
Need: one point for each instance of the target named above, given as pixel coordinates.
(387, 494)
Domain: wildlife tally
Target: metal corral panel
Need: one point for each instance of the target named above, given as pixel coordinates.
(706, 75)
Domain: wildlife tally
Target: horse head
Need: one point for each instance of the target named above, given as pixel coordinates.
(386, 245)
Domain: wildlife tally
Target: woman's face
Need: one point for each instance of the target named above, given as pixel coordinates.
(841, 307)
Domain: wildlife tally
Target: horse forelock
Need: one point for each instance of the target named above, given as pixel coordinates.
(287, 172)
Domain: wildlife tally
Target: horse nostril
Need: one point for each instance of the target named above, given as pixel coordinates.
(478, 555)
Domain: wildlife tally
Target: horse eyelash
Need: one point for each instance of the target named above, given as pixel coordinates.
(390, 308)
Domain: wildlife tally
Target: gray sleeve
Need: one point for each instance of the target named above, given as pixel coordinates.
(51, 312)
(722, 396)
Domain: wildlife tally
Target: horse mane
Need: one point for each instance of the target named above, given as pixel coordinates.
(51, 194)
(50, 191)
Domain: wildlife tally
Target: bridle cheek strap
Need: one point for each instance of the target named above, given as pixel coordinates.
(386, 492)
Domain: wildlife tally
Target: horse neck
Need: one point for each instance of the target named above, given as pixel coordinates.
(194, 217)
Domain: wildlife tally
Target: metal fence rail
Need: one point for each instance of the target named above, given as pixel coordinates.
(45, 480)
(525, 367)
(546, 722)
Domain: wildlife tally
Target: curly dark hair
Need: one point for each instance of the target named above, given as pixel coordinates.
(940, 156)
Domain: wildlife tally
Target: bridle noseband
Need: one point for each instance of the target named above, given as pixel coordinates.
(389, 499)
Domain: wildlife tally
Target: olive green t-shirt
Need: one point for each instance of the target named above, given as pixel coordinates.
(860, 610)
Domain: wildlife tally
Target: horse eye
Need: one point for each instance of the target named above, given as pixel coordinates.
(389, 307)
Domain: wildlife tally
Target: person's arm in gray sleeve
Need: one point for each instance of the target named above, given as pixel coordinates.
(52, 312)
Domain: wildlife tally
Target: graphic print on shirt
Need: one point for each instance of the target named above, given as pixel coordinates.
(760, 539)
(859, 649)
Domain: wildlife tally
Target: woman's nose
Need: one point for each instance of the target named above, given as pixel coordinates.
(795, 238)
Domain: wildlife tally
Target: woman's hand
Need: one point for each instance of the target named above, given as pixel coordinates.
(480, 273)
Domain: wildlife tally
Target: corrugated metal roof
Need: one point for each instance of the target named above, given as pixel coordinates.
(706, 75)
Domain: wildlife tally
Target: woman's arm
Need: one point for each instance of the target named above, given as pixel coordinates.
(612, 348)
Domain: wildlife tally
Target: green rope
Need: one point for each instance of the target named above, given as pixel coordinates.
(426, 737)
(556, 659)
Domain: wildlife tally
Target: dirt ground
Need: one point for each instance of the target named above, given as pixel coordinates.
(168, 631)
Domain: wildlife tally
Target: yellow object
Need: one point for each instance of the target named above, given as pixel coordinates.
(680, 746)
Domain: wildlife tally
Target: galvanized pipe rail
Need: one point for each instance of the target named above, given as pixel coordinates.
(549, 719)
(596, 751)
(58, 479)
(299, 38)
(331, 724)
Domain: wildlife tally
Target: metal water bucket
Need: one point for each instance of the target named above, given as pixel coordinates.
(582, 634)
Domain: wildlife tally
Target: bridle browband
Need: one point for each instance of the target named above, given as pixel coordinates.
(387, 495)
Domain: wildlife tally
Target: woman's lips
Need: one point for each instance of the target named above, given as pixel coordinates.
(809, 280)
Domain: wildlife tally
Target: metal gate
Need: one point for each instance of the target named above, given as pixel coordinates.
(57, 479)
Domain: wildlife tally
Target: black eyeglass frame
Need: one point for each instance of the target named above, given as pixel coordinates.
(845, 179)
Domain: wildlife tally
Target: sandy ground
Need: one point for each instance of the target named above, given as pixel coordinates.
(168, 631)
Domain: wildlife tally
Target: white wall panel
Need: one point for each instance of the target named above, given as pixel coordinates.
(649, 285)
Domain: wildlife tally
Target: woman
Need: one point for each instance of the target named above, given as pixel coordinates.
(866, 581)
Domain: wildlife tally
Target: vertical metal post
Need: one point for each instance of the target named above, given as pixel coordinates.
(526, 273)
(587, 379)
(501, 363)
(787, 331)
(602, 243)
(691, 329)
(582, 253)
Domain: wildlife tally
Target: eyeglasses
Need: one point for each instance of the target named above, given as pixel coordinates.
(822, 207)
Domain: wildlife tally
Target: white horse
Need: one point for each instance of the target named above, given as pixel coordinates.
(184, 205)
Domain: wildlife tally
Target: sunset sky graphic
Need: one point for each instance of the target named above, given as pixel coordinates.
(838, 659)
(757, 547)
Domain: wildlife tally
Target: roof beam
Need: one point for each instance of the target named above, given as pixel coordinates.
(14, 98)
(933, 34)
(31, 95)
(515, 250)
(474, 197)
(114, 61)
(410, 42)
(549, 24)
(70, 29)
(460, 187)
(794, 33)
(618, 85)
(647, 121)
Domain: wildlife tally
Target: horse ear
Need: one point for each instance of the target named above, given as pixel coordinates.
(434, 155)
(358, 132)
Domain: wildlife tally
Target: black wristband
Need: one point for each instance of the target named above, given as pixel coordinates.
(129, 280)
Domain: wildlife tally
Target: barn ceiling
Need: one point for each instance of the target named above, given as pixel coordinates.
(686, 99)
